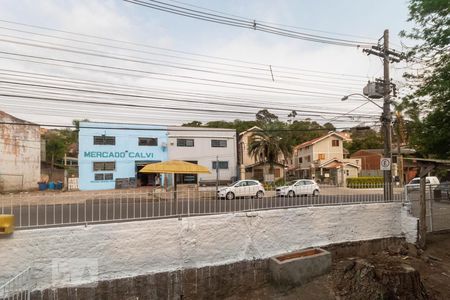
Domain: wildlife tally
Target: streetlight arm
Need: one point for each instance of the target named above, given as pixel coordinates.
(367, 98)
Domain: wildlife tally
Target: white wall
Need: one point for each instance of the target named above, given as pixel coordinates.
(202, 152)
(20, 155)
(141, 247)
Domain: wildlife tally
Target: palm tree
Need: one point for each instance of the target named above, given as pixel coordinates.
(267, 146)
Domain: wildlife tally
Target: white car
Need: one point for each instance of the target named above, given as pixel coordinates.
(431, 183)
(414, 184)
(242, 188)
(298, 188)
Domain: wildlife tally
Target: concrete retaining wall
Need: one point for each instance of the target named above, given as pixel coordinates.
(131, 249)
(212, 282)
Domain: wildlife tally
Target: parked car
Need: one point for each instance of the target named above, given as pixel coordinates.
(414, 184)
(242, 188)
(298, 188)
(442, 191)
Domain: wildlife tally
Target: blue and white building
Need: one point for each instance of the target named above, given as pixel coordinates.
(111, 152)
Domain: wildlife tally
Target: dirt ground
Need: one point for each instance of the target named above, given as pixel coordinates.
(433, 265)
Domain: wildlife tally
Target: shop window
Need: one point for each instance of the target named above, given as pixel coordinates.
(185, 142)
(335, 143)
(321, 156)
(104, 166)
(104, 140)
(147, 141)
(188, 178)
(222, 165)
(219, 143)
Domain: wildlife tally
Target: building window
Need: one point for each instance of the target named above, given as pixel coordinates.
(104, 140)
(300, 160)
(335, 143)
(145, 141)
(103, 176)
(277, 173)
(321, 156)
(222, 165)
(185, 142)
(188, 178)
(104, 165)
(308, 158)
(219, 143)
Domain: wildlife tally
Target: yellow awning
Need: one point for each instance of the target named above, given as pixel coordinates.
(175, 167)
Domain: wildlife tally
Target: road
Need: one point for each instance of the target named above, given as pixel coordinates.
(116, 209)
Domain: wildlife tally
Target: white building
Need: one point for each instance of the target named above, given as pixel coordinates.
(206, 147)
(20, 154)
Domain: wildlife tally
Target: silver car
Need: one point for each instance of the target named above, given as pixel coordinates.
(298, 188)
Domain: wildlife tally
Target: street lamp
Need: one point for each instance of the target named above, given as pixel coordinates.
(386, 121)
(365, 97)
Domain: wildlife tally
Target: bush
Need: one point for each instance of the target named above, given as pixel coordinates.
(365, 182)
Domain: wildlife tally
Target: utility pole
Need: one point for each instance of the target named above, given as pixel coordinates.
(217, 174)
(386, 117)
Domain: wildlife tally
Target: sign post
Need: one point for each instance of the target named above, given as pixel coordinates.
(385, 164)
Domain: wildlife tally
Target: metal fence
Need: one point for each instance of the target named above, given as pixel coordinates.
(437, 206)
(70, 208)
(19, 287)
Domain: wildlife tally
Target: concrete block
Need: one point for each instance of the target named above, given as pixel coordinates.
(299, 267)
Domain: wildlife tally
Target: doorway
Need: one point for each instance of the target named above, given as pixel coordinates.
(146, 179)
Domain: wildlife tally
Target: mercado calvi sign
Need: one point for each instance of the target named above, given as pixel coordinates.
(117, 154)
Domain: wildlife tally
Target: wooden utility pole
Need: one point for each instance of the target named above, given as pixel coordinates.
(386, 118)
(217, 174)
(423, 213)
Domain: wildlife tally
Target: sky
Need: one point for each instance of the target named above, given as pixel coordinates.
(153, 67)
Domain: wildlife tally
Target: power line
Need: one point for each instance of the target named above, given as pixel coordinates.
(273, 23)
(178, 129)
(172, 65)
(157, 98)
(235, 84)
(262, 66)
(115, 86)
(239, 22)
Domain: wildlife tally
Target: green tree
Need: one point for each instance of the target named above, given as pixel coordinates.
(431, 85)
(193, 124)
(364, 139)
(268, 144)
(264, 117)
(55, 148)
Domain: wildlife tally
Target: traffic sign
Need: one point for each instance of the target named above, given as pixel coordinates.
(385, 164)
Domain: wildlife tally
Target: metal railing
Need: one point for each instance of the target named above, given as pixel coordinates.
(71, 208)
(437, 202)
(19, 287)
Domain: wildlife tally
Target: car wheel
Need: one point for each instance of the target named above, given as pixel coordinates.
(291, 194)
(230, 196)
(259, 194)
(315, 193)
